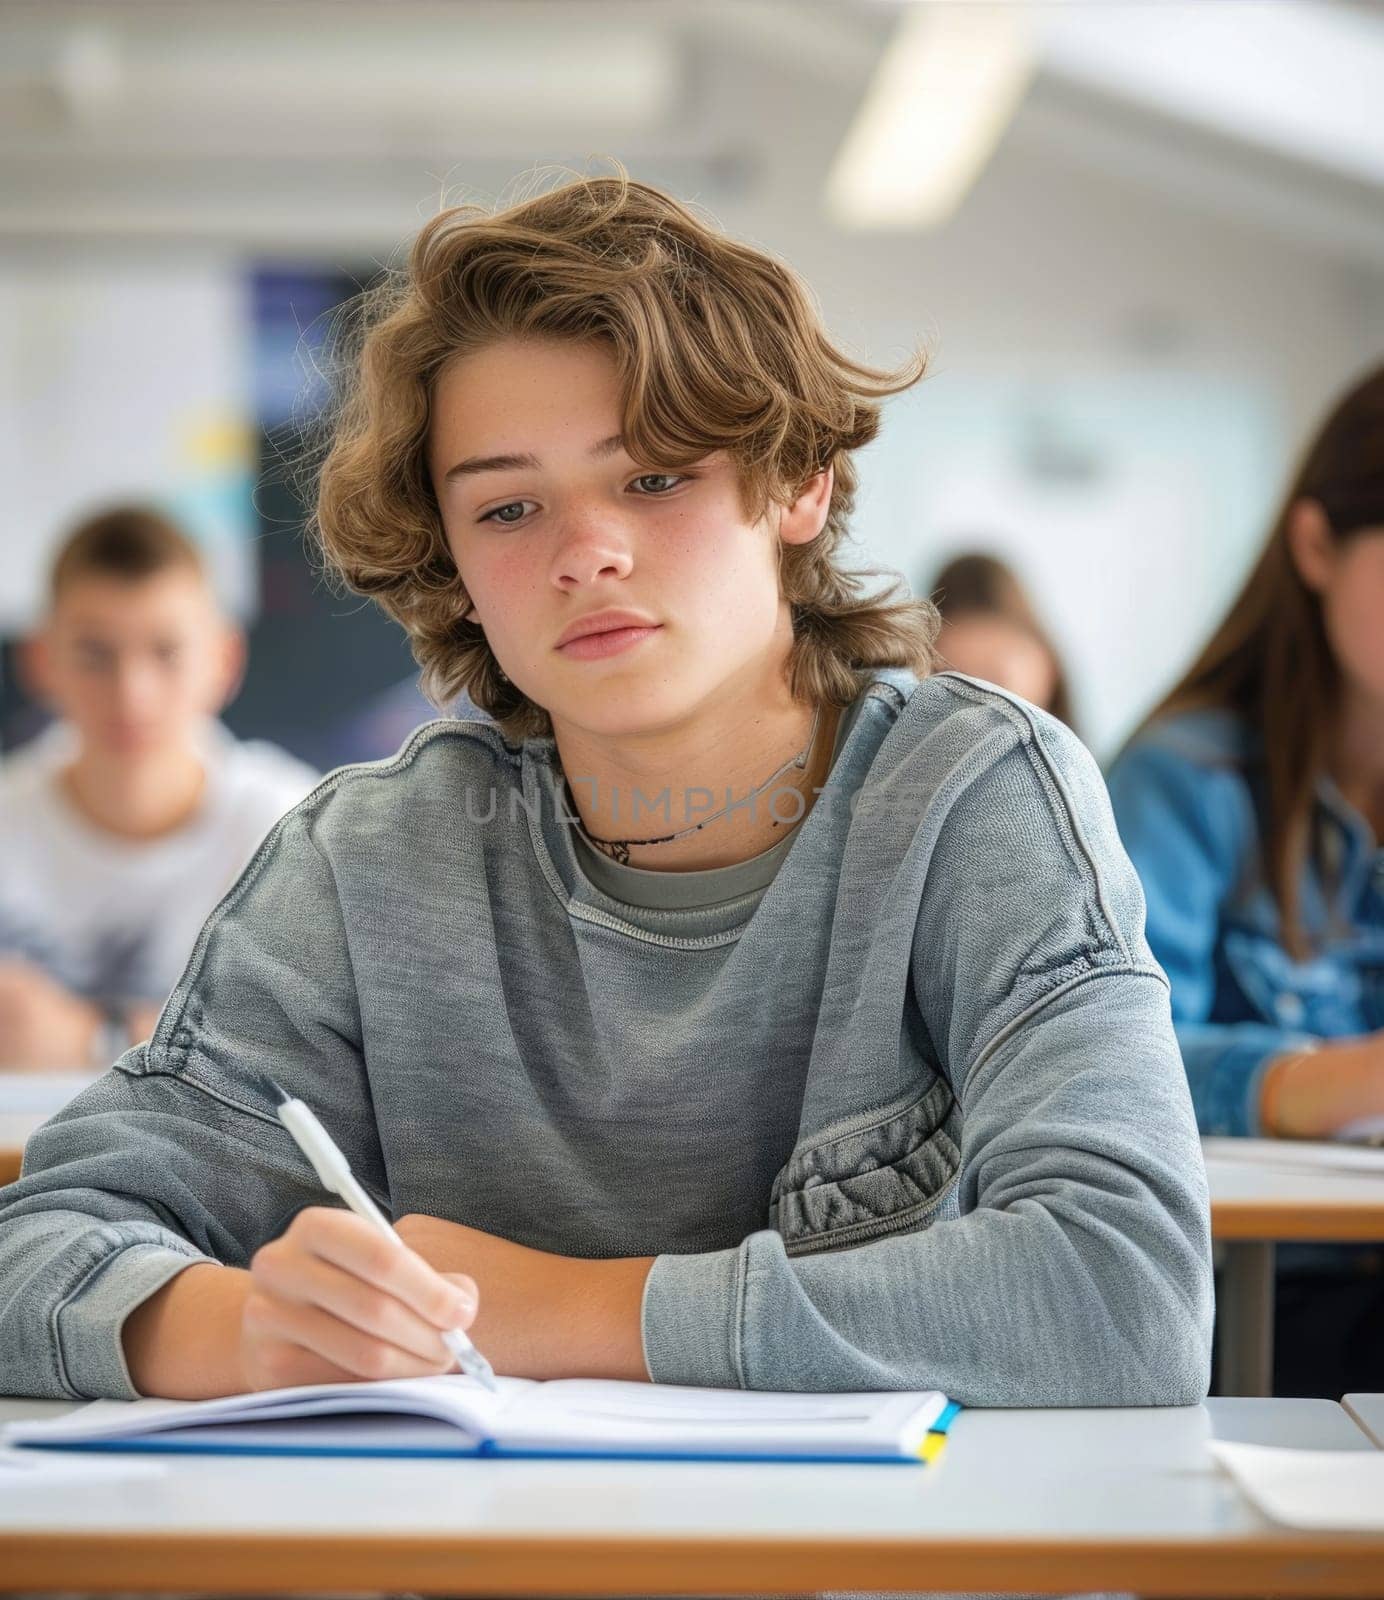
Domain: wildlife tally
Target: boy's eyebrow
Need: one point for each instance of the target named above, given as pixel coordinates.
(474, 464)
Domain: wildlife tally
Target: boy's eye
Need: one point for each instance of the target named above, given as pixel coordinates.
(656, 483)
(506, 514)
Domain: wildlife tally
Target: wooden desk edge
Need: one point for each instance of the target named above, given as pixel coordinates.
(1318, 1221)
(1278, 1561)
(11, 1160)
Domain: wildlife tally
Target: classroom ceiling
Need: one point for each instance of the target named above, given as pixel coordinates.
(294, 121)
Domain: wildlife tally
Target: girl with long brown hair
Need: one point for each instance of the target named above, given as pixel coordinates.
(1252, 804)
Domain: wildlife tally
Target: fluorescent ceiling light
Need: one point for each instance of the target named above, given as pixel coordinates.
(366, 81)
(1305, 81)
(942, 96)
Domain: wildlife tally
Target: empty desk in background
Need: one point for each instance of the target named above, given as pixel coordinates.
(1267, 1191)
(1052, 1501)
(1368, 1411)
(27, 1100)
(15, 1128)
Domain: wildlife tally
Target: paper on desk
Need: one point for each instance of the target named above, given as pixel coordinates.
(19, 1468)
(1296, 1155)
(1309, 1488)
(1364, 1130)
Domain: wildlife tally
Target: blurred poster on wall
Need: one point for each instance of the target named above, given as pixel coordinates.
(124, 381)
(329, 676)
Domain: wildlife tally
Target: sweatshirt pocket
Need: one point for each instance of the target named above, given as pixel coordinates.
(890, 1174)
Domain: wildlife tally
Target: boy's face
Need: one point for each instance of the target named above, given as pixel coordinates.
(136, 664)
(550, 522)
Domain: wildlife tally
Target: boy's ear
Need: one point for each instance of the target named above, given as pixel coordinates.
(802, 521)
(1311, 544)
(231, 655)
(33, 658)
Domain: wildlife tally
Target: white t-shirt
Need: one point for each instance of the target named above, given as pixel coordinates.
(115, 919)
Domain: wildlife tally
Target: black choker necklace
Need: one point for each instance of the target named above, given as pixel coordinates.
(618, 850)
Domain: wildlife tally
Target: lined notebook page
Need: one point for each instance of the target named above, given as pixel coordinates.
(573, 1412)
(459, 1401)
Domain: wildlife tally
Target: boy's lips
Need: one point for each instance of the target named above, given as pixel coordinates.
(602, 622)
(604, 633)
(607, 642)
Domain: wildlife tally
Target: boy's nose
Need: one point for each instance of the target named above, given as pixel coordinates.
(588, 553)
(136, 686)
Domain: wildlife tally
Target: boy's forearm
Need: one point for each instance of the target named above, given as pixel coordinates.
(543, 1315)
(184, 1342)
(605, 1299)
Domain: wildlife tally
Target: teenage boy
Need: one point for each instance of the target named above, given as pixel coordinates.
(734, 1009)
(128, 819)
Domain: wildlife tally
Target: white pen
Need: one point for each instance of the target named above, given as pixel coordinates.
(335, 1172)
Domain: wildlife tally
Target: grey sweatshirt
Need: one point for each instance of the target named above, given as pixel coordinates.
(910, 1113)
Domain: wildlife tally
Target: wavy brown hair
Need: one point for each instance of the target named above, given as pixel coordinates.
(718, 347)
(1270, 660)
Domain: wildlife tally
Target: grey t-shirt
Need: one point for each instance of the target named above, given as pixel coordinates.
(912, 1115)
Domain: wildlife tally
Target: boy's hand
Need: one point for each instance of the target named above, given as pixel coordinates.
(329, 1301)
(41, 1023)
(543, 1315)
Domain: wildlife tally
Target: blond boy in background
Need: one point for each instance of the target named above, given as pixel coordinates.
(123, 823)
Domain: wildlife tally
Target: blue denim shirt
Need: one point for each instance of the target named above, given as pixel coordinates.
(1188, 795)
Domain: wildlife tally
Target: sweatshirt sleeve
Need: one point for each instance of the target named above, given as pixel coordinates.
(1189, 830)
(1078, 1270)
(176, 1155)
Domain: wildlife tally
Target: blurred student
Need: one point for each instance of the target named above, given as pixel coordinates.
(990, 630)
(1252, 803)
(124, 823)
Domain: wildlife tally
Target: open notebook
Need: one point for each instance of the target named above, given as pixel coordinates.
(454, 1416)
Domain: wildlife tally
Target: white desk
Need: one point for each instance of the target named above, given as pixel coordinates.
(1040, 1501)
(1368, 1411)
(1257, 1202)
